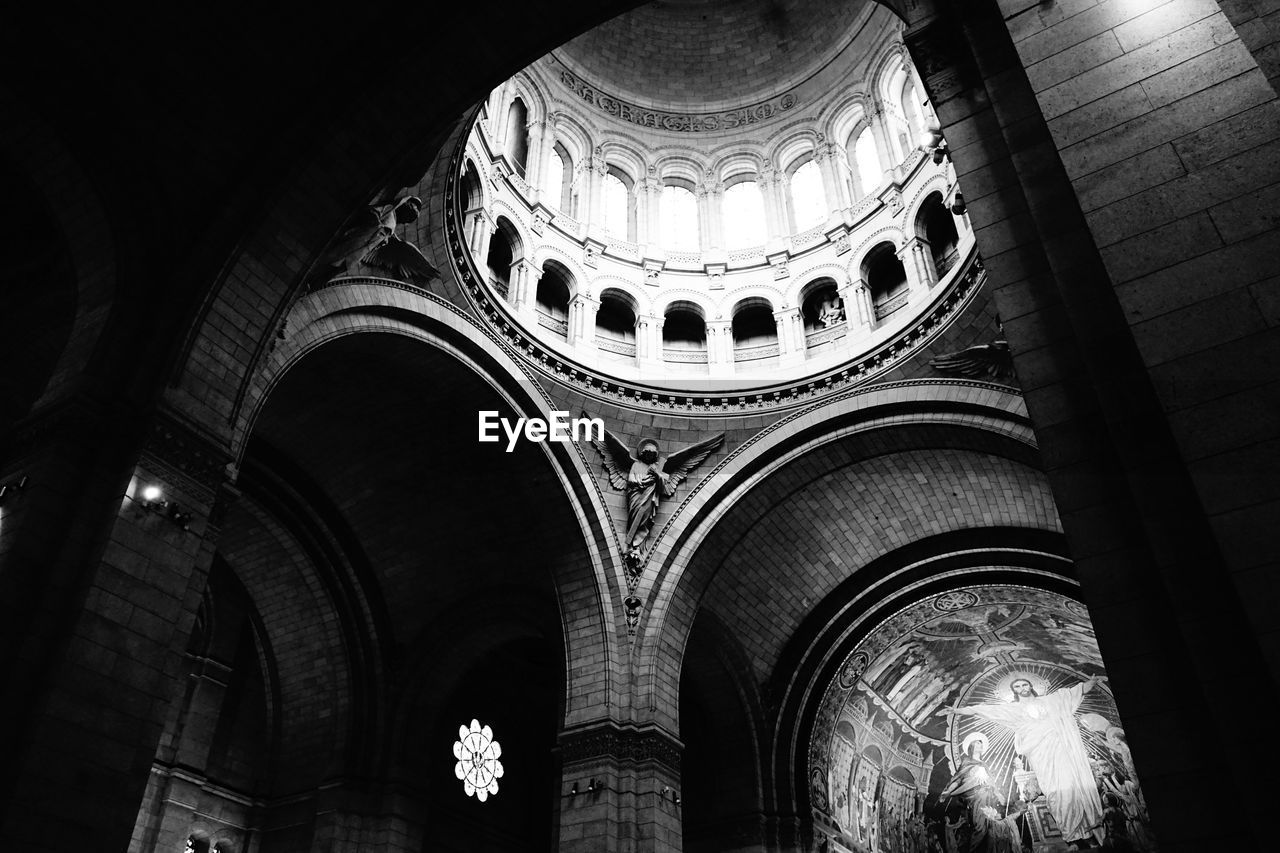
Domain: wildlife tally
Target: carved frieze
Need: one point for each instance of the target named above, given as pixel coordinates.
(678, 122)
(625, 744)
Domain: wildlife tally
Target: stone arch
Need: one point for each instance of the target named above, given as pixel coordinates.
(860, 413)
(697, 300)
(802, 282)
(936, 184)
(630, 292)
(734, 300)
(50, 329)
(578, 273)
(328, 315)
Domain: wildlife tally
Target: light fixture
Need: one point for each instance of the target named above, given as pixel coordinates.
(8, 490)
(958, 207)
(152, 500)
(935, 145)
(675, 795)
(573, 792)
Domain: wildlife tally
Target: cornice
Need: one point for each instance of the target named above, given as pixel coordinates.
(623, 743)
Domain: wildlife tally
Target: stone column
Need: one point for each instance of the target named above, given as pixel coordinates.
(777, 223)
(646, 191)
(98, 598)
(922, 259)
(859, 311)
(827, 155)
(885, 146)
(595, 188)
(544, 133)
(710, 195)
(522, 291)
(917, 280)
(791, 342)
(582, 322)
(720, 347)
(649, 342)
(628, 790)
(482, 230)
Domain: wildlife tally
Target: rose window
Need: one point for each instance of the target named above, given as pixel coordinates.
(478, 766)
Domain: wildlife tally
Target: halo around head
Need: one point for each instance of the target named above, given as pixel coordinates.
(1004, 688)
(971, 739)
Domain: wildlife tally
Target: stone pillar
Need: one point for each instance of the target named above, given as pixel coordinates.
(595, 189)
(710, 195)
(542, 141)
(917, 280)
(482, 230)
(827, 157)
(720, 347)
(582, 322)
(646, 191)
(522, 292)
(649, 342)
(859, 312)
(628, 790)
(533, 171)
(922, 259)
(98, 598)
(885, 146)
(791, 342)
(777, 223)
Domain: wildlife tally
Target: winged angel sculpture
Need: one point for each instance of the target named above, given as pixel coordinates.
(647, 478)
(993, 360)
(372, 240)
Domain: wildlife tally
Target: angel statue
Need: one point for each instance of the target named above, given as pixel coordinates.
(993, 359)
(647, 478)
(372, 240)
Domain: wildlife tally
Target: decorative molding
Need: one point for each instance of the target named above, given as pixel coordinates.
(951, 296)
(622, 743)
(187, 455)
(677, 122)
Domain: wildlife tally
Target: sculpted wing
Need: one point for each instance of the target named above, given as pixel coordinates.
(402, 260)
(354, 242)
(615, 458)
(993, 359)
(679, 465)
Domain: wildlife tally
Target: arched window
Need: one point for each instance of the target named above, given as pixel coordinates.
(552, 297)
(618, 219)
(887, 279)
(678, 212)
(867, 163)
(518, 136)
(743, 212)
(913, 108)
(683, 328)
(808, 200)
(938, 226)
(755, 331)
(554, 185)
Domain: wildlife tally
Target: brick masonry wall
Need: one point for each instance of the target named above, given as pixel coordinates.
(1160, 112)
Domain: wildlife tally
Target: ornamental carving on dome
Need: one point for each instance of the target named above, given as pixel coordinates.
(678, 122)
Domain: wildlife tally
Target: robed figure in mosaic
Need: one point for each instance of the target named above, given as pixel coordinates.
(647, 478)
(1046, 732)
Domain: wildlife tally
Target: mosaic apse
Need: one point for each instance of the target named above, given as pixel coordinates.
(976, 720)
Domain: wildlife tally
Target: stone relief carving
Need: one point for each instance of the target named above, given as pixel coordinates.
(647, 478)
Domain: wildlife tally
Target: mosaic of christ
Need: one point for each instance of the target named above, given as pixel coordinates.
(977, 720)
